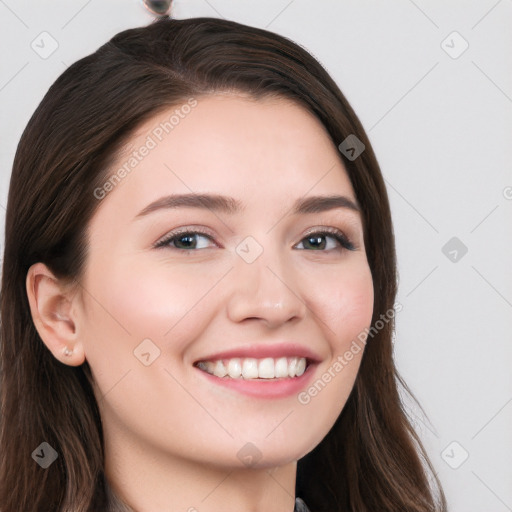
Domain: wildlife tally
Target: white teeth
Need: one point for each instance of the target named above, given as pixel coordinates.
(234, 368)
(301, 367)
(281, 367)
(266, 368)
(292, 367)
(251, 368)
(220, 369)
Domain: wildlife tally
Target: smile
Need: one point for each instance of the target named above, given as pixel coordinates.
(250, 368)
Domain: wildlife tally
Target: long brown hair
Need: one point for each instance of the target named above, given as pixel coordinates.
(371, 460)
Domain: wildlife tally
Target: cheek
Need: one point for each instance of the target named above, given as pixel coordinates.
(128, 305)
(345, 308)
(131, 302)
(345, 304)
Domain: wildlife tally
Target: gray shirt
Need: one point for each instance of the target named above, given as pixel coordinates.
(300, 506)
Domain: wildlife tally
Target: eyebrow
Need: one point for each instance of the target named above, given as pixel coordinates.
(229, 205)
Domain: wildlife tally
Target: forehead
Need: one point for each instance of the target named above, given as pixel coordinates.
(236, 122)
(230, 144)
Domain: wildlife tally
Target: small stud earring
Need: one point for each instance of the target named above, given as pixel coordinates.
(68, 351)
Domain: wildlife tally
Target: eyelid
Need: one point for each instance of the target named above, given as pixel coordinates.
(345, 242)
(182, 230)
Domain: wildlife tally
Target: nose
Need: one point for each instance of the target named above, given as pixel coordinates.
(263, 290)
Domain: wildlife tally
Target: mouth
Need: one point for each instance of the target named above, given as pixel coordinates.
(248, 368)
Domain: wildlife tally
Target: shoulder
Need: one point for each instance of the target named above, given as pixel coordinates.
(300, 506)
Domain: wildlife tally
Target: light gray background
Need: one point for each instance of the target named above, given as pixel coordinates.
(441, 128)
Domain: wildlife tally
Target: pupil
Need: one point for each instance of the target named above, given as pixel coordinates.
(189, 238)
(317, 239)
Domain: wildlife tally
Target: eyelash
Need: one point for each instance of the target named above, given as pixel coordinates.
(335, 233)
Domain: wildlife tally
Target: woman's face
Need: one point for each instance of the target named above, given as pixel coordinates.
(171, 281)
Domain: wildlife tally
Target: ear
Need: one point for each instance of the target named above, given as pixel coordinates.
(54, 315)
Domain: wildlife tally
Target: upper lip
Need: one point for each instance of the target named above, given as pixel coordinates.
(262, 351)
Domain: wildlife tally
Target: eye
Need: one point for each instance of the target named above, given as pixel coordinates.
(315, 240)
(184, 240)
(187, 239)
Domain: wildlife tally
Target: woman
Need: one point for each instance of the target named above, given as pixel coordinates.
(198, 287)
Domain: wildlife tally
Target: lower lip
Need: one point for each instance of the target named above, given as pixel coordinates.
(264, 388)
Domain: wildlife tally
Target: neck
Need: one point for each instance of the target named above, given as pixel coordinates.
(139, 480)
